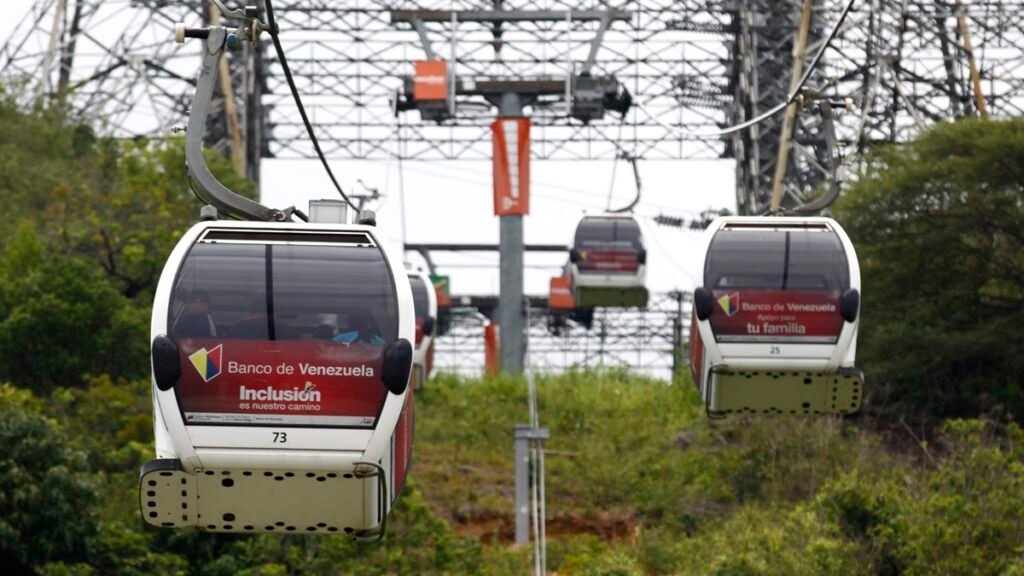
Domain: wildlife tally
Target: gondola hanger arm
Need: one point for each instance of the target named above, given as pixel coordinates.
(216, 39)
(636, 178)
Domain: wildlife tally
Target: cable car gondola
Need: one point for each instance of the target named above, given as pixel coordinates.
(608, 262)
(774, 326)
(424, 299)
(281, 358)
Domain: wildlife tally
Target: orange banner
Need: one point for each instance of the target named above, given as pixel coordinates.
(431, 80)
(511, 139)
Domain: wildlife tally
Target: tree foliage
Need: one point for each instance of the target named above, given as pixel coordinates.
(120, 205)
(939, 228)
(61, 320)
(46, 502)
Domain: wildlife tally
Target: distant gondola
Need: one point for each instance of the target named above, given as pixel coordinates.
(774, 326)
(608, 262)
(424, 299)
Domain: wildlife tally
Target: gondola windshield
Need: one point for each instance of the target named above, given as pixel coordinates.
(283, 334)
(608, 245)
(421, 303)
(777, 284)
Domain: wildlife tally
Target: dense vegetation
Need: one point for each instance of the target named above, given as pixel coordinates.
(929, 480)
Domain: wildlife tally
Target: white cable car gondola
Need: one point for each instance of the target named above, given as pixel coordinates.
(281, 358)
(424, 300)
(608, 262)
(774, 326)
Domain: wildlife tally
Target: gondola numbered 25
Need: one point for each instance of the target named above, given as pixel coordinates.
(281, 356)
(774, 325)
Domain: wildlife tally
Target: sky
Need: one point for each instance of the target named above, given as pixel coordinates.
(450, 201)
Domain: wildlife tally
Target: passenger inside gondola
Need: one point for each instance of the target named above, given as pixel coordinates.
(361, 329)
(254, 325)
(195, 320)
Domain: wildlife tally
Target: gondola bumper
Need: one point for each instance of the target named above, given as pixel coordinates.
(352, 501)
(734, 391)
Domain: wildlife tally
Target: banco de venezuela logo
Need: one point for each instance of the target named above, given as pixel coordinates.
(208, 362)
(730, 303)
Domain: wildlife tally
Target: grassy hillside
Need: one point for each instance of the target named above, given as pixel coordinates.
(639, 482)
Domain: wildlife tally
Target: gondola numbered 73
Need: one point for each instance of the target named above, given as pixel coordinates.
(774, 327)
(281, 356)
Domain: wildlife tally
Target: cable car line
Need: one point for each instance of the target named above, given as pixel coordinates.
(792, 97)
(273, 30)
(308, 334)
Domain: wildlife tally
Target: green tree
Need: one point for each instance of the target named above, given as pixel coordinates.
(939, 228)
(60, 320)
(120, 204)
(46, 504)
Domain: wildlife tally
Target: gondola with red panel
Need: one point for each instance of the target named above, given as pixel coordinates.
(424, 299)
(608, 262)
(281, 356)
(774, 325)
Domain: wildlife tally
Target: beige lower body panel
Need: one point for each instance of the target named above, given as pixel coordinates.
(249, 501)
(734, 392)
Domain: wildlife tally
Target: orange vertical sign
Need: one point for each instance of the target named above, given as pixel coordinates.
(511, 139)
(431, 80)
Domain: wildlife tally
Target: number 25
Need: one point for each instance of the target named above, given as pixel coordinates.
(775, 350)
(280, 437)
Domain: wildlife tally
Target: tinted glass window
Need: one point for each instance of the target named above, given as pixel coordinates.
(608, 233)
(777, 259)
(283, 292)
(420, 299)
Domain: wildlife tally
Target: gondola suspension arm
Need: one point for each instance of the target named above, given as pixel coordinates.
(835, 162)
(636, 178)
(216, 39)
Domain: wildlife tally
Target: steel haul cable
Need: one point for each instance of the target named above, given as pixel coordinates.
(272, 24)
(777, 108)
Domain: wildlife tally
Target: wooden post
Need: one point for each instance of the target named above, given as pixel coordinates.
(787, 127)
(965, 32)
(237, 153)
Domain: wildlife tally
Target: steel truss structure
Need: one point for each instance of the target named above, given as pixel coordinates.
(903, 64)
(651, 341)
(691, 66)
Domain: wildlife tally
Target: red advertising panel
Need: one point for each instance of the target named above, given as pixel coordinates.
(403, 445)
(608, 261)
(419, 330)
(430, 81)
(776, 315)
(511, 139)
(280, 383)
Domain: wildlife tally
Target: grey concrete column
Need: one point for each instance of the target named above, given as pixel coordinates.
(510, 301)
